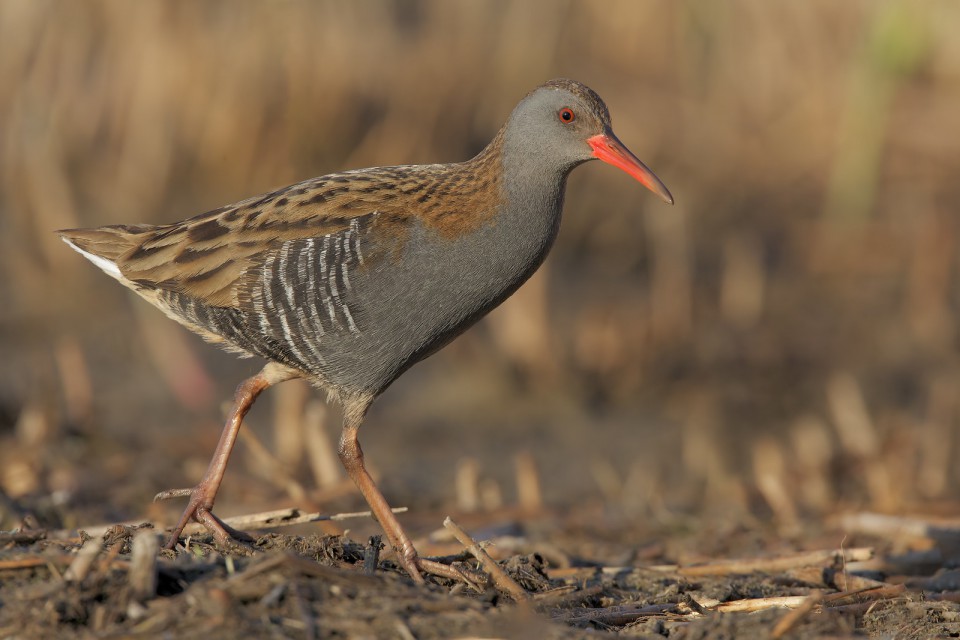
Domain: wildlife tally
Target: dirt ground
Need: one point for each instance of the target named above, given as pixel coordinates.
(735, 417)
(588, 566)
(583, 579)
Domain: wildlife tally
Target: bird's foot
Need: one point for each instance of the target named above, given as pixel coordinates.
(199, 508)
(416, 566)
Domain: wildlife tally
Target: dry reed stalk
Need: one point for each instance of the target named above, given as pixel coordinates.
(769, 467)
(750, 605)
(617, 615)
(500, 578)
(403, 631)
(143, 564)
(283, 518)
(34, 429)
(742, 289)
(699, 452)
(936, 437)
(643, 490)
(878, 592)
(901, 527)
(321, 452)
(574, 573)
(607, 479)
(529, 494)
(29, 562)
(75, 380)
(108, 559)
(345, 487)
(671, 281)
(778, 563)
(803, 604)
(856, 429)
(813, 451)
(270, 468)
(289, 404)
(83, 561)
(20, 467)
(173, 356)
(491, 498)
(705, 463)
(302, 566)
(859, 438)
(22, 537)
(467, 485)
(521, 327)
(832, 576)
(926, 306)
(566, 595)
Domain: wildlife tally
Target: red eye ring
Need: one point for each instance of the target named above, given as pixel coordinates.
(566, 115)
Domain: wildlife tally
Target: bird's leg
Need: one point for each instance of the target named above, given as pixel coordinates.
(351, 455)
(352, 458)
(203, 495)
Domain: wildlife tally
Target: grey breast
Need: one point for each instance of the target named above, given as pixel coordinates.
(357, 309)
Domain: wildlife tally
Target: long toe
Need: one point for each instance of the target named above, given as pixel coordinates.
(225, 535)
(173, 493)
(411, 561)
(199, 509)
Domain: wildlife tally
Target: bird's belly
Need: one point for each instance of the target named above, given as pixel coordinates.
(413, 301)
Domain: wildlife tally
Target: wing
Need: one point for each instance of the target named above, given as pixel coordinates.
(288, 302)
(271, 275)
(210, 257)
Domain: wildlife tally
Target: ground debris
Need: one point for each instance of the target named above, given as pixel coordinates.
(317, 586)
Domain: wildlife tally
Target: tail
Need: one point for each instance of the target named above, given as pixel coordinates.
(105, 245)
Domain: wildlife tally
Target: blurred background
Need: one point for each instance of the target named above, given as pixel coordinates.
(780, 344)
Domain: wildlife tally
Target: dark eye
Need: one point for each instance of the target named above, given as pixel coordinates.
(566, 115)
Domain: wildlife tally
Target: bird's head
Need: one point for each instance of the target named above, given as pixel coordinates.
(566, 123)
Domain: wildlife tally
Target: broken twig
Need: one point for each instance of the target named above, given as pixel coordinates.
(500, 578)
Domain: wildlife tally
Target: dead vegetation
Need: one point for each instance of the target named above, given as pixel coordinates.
(327, 586)
(690, 423)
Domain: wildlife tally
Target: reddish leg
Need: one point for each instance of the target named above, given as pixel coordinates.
(203, 495)
(352, 458)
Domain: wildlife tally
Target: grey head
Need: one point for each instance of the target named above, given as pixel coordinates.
(564, 123)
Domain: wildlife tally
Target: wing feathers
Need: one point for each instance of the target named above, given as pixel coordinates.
(216, 256)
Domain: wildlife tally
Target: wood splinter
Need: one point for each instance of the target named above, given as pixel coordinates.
(143, 564)
(504, 582)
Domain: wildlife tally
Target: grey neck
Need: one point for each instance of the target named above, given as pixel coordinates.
(534, 193)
